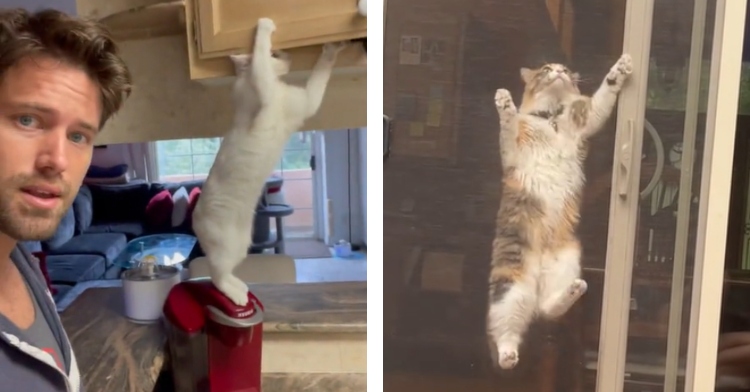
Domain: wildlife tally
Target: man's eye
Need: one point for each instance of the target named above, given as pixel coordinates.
(78, 138)
(26, 121)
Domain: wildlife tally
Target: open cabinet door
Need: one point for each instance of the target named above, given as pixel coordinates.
(224, 26)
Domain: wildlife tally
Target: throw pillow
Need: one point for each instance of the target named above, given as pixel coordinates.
(83, 210)
(181, 201)
(43, 266)
(64, 233)
(159, 210)
(195, 194)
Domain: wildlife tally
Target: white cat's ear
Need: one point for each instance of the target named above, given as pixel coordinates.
(527, 74)
(240, 62)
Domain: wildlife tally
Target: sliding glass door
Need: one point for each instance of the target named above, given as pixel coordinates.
(689, 52)
(654, 205)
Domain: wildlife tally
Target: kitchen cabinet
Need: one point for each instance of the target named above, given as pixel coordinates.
(224, 26)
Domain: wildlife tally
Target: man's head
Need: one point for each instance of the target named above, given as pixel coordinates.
(61, 79)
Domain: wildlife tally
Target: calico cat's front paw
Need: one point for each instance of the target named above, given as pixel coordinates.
(620, 71)
(503, 99)
(266, 24)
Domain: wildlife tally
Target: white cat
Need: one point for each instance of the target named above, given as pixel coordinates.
(362, 6)
(267, 112)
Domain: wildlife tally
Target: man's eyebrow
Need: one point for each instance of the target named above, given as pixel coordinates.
(47, 110)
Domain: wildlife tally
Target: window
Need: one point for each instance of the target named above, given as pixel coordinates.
(294, 168)
(191, 159)
(185, 159)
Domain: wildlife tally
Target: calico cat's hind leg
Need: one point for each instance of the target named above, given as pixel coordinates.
(560, 282)
(512, 305)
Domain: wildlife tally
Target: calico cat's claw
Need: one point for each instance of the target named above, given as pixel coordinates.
(266, 24)
(620, 71)
(503, 99)
(624, 65)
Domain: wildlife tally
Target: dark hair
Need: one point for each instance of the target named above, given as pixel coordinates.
(79, 42)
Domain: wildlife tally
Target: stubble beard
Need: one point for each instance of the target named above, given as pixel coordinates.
(26, 223)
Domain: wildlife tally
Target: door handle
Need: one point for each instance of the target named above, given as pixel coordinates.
(386, 137)
(626, 161)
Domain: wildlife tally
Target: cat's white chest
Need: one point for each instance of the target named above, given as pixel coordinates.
(551, 167)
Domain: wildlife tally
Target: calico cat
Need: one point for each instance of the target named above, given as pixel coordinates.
(535, 254)
(267, 112)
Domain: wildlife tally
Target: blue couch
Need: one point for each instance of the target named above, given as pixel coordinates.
(96, 229)
(99, 224)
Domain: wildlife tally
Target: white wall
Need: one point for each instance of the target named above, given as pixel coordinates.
(131, 154)
(362, 134)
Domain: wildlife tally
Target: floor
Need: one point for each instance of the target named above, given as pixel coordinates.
(306, 248)
(331, 270)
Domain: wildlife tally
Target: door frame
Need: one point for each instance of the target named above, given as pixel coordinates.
(714, 199)
(723, 98)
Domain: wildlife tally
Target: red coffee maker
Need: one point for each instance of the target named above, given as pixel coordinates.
(215, 345)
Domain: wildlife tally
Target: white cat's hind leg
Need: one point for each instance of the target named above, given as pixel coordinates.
(512, 307)
(233, 287)
(224, 254)
(560, 282)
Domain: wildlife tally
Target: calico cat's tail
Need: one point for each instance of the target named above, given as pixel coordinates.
(512, 284)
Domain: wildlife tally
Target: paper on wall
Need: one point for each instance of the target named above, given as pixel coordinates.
(410, 50)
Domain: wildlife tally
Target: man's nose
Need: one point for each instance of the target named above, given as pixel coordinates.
(53, 150)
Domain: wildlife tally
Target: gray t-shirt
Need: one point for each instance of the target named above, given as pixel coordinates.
(18, 367)
(40, 334)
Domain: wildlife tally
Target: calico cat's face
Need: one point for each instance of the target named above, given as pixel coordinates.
(553, 78)
(280, 62)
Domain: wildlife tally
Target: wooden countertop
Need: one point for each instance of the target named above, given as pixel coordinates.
(116, 354)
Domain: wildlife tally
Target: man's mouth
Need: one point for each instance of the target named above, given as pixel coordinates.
(43, 192)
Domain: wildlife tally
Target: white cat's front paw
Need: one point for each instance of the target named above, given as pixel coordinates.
(621, 70)
(235, 289)
(266, 24)
(333, 48)
(503, 99)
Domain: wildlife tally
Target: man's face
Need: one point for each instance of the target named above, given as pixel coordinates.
(49, 114)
